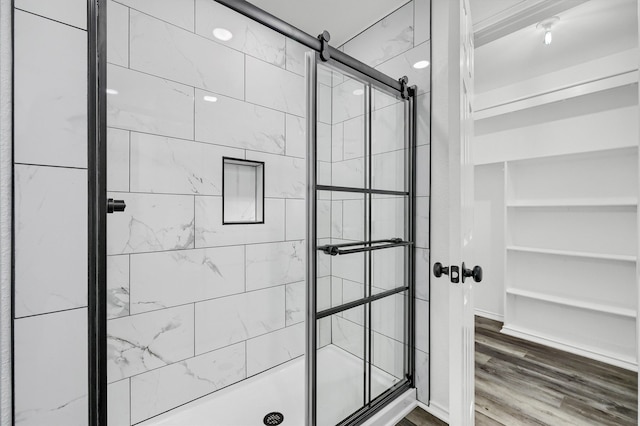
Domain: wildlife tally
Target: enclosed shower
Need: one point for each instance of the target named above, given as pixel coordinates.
(263, 249)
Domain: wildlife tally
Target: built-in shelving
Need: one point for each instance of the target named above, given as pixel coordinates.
(570, 253)
(575, 202)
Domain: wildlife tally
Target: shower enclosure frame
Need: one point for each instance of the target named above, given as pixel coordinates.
(97, 196)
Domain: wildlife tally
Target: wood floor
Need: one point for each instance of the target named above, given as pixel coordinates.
(523, 383)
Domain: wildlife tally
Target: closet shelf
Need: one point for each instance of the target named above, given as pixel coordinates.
(597, 307)
(575, 202)
(571, 253)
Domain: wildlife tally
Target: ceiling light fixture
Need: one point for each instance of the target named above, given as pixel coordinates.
(421, 64)
(210, 99)
(546, 26)
(111, 92)
(222, 34)
(358, 92)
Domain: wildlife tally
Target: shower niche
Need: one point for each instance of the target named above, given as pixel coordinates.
(243, 191)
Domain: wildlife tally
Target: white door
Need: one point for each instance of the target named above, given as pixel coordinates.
(452, 113)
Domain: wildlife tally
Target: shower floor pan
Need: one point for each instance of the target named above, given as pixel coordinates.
(282, 390)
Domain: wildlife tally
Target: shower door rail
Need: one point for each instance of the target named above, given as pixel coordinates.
(335, 249)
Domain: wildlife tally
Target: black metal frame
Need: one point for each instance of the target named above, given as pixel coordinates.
(335, 249)
(251, 163)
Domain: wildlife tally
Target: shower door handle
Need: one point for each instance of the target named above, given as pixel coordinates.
(475, 273)
(439, 270)
(115, 205)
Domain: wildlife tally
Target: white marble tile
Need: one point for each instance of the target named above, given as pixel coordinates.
(178, 13)
(388, 170)
(118, 404)
(348, 173)
(403, 65)
(336, 291)
(423, 122)
(387, 129)
(324, 104)
(352, 291)
(151, 223)
(323, 171)
(422, 273)
(273, 264)
(238, 124)
(295, 136)
(388, 218)
(118, 288)
(175, 166)
(117, 160)
(385, 39)
(422, 20)
(140, 343)
(248, 36)
(388, 268)
(353, 220)
(323, 218)
(422, 376)
(323, 293)
(388, 315)
(348, 267)
(170, 52)
(117, 34)
(72, 12)
(388, 355)
(149, 104)
(348, 101)
(323, 142)
(323, 261)
(168, 387)
(228, 320)
(50, 213)
(336, 219)
(422, 222)
(273, 87)
(324, 332)
(50, 365)
(347, 335)
(285, 177)
(382, 99)
(295, 57)
(423, 158)
(160, 280)
(275, 348)
(296, 224)
(50, 108)
(422, 325)
(337, 142)
(354, 140)
(296, 299)
(210, 232)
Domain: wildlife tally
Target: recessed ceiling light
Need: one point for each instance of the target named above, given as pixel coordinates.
(421, 64)
(547, 26)
(210, 99)
(222, 34)
(112, 92)
(358, 92)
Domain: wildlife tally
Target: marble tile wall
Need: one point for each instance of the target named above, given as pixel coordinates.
(195, 305)
(50, 180)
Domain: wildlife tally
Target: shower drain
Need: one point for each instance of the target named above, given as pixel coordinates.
(273, 419)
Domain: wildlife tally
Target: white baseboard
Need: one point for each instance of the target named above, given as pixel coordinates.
(547, 341)
(436, 410)
(490, 315)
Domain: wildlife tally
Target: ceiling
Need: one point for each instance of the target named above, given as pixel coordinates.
(588, 31)
(343, 19)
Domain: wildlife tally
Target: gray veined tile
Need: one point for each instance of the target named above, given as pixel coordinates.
(422, 222)
(422, 325)
(296, 142)
(148, 104)
(423, 125)
(151, 222)
(273, 87)
(295, 226)
(423, 177)
(353, 138)
(165, 165)
(388, 355)
(178, 13)
(165, 388)
(117, 286)
(118, 403)
(170, 52)
(72, 12)
(295, 296)
(166, 279)
(387, 129)
(422, 21)
(337, 142)
(274, 348)
(273, 264)
(248, 36)
(224, 321)
(117, 34)
(348, 101)
(422, 376)
(139, 343)
(117, 160)
(285, 177)
(295, 56)
(422, 273)
(226, 121)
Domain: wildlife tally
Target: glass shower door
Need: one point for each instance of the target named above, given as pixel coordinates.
(360, 233)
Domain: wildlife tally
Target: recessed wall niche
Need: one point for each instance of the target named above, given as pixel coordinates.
(243, 191)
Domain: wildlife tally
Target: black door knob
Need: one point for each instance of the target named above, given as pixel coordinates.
(115, 205)
(475, 273)
(438, 269)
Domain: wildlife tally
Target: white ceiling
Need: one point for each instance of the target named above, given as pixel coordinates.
(589, 31)
(343, 19)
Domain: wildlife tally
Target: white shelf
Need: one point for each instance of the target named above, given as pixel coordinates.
(570, 253)
(598, 307)
(576, 202)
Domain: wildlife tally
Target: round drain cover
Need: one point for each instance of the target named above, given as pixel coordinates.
(273, 419)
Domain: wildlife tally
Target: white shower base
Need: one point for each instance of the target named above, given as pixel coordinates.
(282, 389)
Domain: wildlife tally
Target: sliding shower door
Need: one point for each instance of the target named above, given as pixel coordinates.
(360, 244)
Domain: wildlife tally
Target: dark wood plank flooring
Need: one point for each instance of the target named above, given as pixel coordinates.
(523, 383)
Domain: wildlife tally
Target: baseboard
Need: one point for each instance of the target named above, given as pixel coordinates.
(436, 410)
(395, 411)
(544, 340)
(490, 315)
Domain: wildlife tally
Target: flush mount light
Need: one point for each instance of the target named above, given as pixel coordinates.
(546, 26)
(222, 34)
(112, 92)
(358, 92)
(210, 99)
(421, 64)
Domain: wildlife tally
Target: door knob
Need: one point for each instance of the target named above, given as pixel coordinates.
(438, 269)
(115, 205)
(475, 273)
